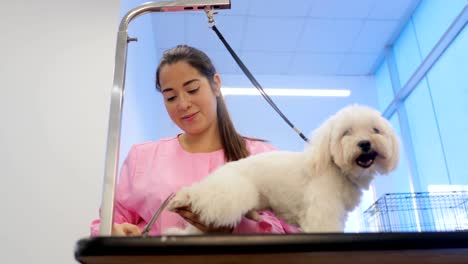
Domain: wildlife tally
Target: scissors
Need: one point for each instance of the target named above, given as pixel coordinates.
(156, 215)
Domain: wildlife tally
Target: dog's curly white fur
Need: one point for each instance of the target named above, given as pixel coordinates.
(314, 189)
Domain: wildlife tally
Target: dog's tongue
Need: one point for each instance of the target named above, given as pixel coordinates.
(365, 163)
(366, 160)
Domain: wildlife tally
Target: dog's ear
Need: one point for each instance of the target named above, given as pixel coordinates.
(318, 151)
(395, 157)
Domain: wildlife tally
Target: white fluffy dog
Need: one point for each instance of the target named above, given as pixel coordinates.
(314, 189)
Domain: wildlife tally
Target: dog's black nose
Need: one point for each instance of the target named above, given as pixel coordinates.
(365, 145)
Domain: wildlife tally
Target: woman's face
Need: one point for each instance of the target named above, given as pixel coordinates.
(189, 98)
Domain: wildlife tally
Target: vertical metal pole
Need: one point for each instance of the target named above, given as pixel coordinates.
(113, 136)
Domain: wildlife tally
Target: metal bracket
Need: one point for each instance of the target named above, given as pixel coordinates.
(210, 12)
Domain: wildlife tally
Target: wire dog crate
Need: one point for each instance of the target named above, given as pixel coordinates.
(418, 212)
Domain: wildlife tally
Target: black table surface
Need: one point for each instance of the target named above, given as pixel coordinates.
(265, 244)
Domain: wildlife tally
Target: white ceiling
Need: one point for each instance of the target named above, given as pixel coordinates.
(294, 37)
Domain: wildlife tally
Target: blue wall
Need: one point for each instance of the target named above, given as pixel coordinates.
(435, 109)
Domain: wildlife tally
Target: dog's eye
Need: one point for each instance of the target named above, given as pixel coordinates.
(376, 130)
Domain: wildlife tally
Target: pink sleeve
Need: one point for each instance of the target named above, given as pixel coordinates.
(268, 225)
(256, 147)
(122, 207)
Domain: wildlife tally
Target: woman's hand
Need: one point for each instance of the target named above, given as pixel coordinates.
(125, 229)
(194, 219)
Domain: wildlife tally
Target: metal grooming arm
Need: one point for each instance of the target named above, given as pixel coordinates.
(115, 115)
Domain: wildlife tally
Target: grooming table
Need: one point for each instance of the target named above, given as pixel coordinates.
(441, 247)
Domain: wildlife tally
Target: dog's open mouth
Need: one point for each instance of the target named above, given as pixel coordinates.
(366, 160)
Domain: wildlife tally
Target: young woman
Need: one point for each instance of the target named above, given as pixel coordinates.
(191, 88)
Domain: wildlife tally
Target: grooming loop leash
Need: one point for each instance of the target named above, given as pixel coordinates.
(212, 24)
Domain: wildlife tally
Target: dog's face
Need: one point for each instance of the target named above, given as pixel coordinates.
(362, 144)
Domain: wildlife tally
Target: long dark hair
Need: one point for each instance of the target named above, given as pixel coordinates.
(234, 145)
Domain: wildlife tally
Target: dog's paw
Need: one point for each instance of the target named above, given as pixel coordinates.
(181, 199)
(175, 231)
